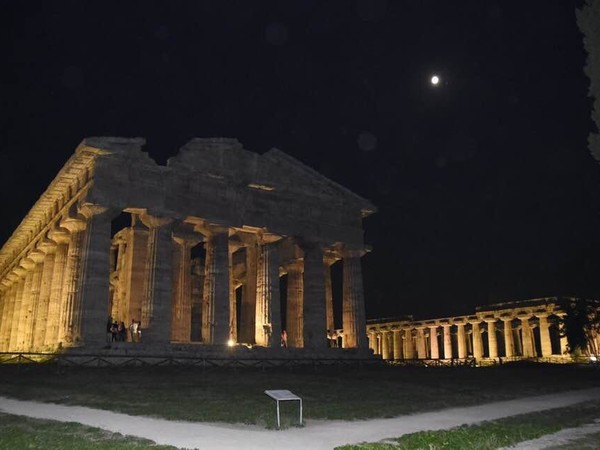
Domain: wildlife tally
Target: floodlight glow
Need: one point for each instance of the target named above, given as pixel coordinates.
(230, 343)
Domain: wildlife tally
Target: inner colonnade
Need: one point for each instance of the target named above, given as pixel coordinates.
(209, 238)
(511, 330)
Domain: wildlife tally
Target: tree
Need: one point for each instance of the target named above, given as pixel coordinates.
(580, 324)
(588, 20)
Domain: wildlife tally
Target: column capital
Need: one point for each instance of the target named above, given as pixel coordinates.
(47, 246)
(91, 209)
(20, 272)
(187, 239)
(59, 235)
(74, 224)
(155, 221)
(36, 255)
(27, 263)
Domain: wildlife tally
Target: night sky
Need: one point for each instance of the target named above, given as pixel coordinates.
(485, 187)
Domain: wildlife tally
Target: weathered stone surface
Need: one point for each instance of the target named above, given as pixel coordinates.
(248, 213)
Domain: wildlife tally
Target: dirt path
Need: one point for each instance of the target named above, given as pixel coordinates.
(315, 435)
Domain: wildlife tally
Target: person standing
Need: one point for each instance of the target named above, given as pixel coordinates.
(284, 339)
(133, 330)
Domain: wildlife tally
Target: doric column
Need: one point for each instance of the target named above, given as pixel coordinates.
(38, 257)
(433, 338)
(509, 345)
(48, 247)
(268, 308)
(461, 339)
(327, 262)
(295, 298)
(248, 305)
(398, 354)
(181, 312)
(447, 341)
(216, 308)
(27, 300)
(385, 345)
(409, 346)
(156, 310)
(477, 343)
(528, 344)
(492, 340)
(373, 341)
(76, 226)
(91, 305)
(6, 299)
(23, 275)
(12, 280)
(61, 237)
(545, 335)
(354, 318)
(421, 349)
(564, 345)
(315, 317)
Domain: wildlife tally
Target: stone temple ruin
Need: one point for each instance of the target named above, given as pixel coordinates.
(502, 332)
(199, 260)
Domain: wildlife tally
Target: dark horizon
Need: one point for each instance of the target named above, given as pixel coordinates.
(485, 187)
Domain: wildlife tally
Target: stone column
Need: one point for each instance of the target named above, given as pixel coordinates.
(398, 345)
(409, 347)
(354, 316)
(48, 247)
(31, 297)
(295, 296)
(509, 345)
(461, 338)
(492, 340)
(181, 312)
(385, 345)
(315, 316)
(10, 286)
(156, 310)
(72, 293)
(477, 343)
(92, 308)
(421, 351)
(373, 341)
(545, 335)
(268, 308)
(447, 341)
(528, 344)
(433, 338)
(564, 345)
(216, 308)
(248, 306)
(23, 275)
(61, 237)
(327, 262)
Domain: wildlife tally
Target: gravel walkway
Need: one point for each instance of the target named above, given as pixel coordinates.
(314, 435)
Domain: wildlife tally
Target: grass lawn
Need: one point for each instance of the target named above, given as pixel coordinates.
(227, 395)
(498, 433)
(20, 432)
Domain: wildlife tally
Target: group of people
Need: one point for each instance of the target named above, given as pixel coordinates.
(118, 332)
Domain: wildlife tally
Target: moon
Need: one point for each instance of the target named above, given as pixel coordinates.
(435, 80)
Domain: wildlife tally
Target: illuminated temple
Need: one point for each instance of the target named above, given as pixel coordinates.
(501, 332)
(218, 246)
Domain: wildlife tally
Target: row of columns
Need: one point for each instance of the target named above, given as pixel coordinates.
(309, 293)
(59, 292)
(405, 346)
(40, 299)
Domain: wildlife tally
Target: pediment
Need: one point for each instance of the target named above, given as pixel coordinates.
(284, 171)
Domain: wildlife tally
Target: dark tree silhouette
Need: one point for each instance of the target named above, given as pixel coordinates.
(588, 20)
(580, 325)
